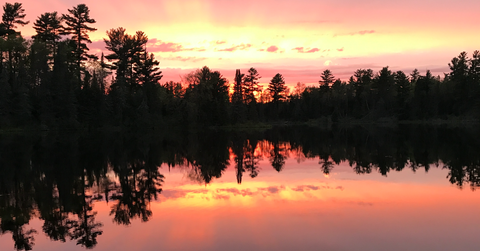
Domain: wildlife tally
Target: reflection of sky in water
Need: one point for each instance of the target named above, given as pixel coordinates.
(299, 208)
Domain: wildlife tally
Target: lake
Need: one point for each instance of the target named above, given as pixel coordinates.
(293, 188)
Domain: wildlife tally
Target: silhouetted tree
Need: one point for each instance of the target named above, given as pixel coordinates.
(326, 81)
(404, 91)
(277, 158)
(250, 86)
(77, 24)
(13, 15)
(277, 88)
(49, 29)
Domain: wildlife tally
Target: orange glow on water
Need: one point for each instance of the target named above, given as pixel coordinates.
(298, 207)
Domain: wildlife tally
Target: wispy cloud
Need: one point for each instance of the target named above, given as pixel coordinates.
(240, 47)
(312, 187)
(155, 45)
(357, 33)
(179, 193)
(305, 50)
(247, 192)
(222, 194)
(219, 42)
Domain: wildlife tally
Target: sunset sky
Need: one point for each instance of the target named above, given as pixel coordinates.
(298, 39)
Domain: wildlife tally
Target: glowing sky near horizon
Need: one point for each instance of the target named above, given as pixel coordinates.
(298, 39)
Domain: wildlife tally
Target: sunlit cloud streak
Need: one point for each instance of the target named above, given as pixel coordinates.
(305, 50)
(155, 45)
(240, 47)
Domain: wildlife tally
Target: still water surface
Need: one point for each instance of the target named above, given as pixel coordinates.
(284, 189)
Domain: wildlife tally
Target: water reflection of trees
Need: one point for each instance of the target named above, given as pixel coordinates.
(385, 150)
(246, 159)
(59, 178)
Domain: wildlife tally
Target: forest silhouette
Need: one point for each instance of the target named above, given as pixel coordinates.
(52, 82)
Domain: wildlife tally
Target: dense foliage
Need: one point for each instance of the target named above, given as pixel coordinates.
(51, 81)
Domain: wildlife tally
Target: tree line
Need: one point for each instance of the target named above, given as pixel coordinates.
(52, 81)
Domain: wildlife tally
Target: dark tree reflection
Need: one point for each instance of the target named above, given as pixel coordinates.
(59, 177)
(245, 157)
(85, 229)
(208, 156)
(278, 156)
(57, 226)
(251, 159)
(138, 186)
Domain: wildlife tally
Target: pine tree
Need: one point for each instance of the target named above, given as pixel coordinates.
(277, 88)
(127, 52)
(326, 81)
(77, 24)
(49, 29)
(404, 90)
(13, 15)
(250, 86)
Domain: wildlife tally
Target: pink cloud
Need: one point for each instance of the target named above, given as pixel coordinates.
(155, 45)
(165, 47)
(341, 49)
(305, 50)
(237, 47)
(218, 42)
(272, 48)
(299, 49)
(364, 32)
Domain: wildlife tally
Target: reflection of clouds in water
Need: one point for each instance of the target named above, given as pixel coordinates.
(362, 203)
(235, 191)
(179, 193)
(312, 187)
(353, 202)
(272, 189)
(221, 197)
(226, 193)
(223, 194)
